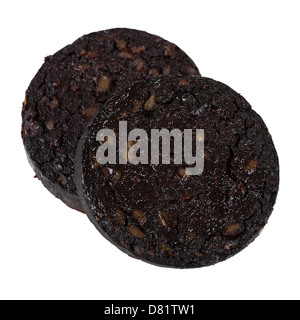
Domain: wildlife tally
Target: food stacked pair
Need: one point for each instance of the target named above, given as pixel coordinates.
(154, 212)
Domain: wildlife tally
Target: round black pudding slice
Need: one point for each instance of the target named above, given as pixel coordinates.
(158, 213)
(74, 83)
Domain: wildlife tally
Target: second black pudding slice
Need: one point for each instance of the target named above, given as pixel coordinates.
(74, 83)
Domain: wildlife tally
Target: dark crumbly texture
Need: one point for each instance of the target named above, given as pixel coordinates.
(155, 213)
(73, 85)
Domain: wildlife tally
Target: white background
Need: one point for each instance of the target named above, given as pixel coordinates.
(48, 251)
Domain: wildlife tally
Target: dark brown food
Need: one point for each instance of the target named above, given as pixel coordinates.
(158, 214)
(71, 87)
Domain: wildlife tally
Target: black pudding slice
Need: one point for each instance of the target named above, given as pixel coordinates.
(74, 83)
(158, 213)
